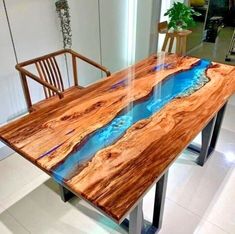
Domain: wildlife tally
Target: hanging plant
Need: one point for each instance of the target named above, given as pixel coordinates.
(62, 8)
(181, 16)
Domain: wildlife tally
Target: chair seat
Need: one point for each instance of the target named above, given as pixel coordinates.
(52, 100)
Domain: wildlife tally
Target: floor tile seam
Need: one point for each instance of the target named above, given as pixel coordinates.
(21, 189)
(17, 221)
(198, 215)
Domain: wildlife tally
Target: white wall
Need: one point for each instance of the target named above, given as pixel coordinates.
(143, 30)
(35, 27)
(232, 100)
(11, 96)
(156, 14)
(114, 33)
(35, 31)
(85, 30)
(109, 46)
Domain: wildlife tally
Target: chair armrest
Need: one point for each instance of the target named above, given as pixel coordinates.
(89, 61)
(37, 79)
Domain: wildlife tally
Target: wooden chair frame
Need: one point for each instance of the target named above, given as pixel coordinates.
(24, 73)
(181, 38)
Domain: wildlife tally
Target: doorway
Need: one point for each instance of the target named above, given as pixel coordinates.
(214, 31)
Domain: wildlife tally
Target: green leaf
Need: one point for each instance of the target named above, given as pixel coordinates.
(181, 15)
(197, 13)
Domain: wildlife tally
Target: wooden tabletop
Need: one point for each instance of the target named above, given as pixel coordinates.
(110, 142)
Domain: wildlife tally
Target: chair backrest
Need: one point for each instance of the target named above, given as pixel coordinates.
(162, 27)
(49, 71)
(49, 74)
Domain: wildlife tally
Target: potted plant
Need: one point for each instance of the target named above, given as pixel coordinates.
(180, 17)
(62, 9)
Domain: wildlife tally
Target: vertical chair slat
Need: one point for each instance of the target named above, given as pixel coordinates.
(58, 71)
(42, 77)
(51, 72)
(45, 78)
(48, 75)
(56, 74)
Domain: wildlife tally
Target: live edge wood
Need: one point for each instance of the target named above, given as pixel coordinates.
(117, 176)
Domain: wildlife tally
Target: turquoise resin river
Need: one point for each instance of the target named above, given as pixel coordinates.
(176, 85)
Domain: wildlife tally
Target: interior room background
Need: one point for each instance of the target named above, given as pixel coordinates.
(111, 32)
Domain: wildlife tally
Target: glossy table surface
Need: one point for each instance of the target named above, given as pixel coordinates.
(110, 142)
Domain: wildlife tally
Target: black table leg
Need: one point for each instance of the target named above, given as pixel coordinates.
(137, 224)
(219, 120)
(207, 134)
(210, 136)
(65, 194)
(159, 202)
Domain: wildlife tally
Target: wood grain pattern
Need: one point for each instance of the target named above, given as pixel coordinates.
(118, 175)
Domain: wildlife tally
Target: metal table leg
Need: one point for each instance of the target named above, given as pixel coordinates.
(136, 219)
(209, 137)
(219, 120)
(159, 202)
(137, 224)
(65, 194)
(207, 133)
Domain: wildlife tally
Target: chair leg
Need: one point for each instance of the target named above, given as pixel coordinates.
(165, 42)
(184, 45)
(26, 91)
(171, 44)
(178, 45)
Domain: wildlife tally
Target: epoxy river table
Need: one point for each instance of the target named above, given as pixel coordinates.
(111, 142)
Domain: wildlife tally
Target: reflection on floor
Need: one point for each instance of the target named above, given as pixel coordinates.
(199, 199)
(195, 38)
(214, 51)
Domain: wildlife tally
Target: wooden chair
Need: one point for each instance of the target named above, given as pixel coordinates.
(49, 76)
(181, 39)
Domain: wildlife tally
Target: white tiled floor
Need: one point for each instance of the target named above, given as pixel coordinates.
(18, 177)
(199, 200)
(8, 224)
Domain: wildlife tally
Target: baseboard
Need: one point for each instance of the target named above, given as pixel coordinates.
(5, 152)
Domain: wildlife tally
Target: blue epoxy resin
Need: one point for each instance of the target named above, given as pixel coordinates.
(176, 85)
